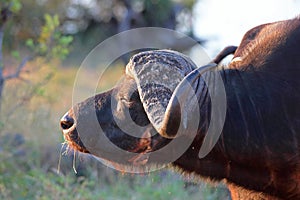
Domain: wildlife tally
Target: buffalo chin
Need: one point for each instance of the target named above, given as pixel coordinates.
(74, 142)
(140, 163)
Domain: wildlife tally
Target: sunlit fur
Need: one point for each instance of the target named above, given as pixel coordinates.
(257, 154)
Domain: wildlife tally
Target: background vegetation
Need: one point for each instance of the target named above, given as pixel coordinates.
(40, 93)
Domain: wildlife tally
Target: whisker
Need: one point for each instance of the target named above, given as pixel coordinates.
(74, 162)
(67, 150)
(60, 155)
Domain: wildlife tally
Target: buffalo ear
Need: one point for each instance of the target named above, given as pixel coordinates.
(157, 74)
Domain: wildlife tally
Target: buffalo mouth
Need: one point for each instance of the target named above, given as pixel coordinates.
(73, 141)
(142, 147)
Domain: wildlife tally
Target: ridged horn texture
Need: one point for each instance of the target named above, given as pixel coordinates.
(157, 73)
(181, 97)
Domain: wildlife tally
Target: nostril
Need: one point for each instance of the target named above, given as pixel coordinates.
(66, 122)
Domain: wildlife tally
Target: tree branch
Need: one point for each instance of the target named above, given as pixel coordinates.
(19, 69)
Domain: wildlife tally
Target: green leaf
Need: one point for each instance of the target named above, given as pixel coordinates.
(51, 42)
(56, 20)
(51, 22)
(29, 43)
(65, 40)
(15, 54)
(40, 91)
(15, 6)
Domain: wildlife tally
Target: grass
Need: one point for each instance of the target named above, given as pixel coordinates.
(28, 169)
(22, 179)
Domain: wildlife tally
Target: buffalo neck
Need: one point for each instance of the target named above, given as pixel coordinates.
(249, 151)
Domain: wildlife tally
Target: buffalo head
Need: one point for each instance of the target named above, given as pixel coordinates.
(161, 111)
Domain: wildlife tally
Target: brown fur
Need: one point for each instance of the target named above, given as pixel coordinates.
(258, 151)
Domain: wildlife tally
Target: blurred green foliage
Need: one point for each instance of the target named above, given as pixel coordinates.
(48, 44)
(28, 171)
(26, 178)
(90, 22)
(43, 45)
(32, 108)
(12, 5)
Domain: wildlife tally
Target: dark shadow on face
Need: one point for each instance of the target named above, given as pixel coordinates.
(112, 125)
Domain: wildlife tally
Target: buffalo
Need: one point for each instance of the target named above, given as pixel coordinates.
(161, 111)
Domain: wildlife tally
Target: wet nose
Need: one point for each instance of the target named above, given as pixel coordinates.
(66, 122)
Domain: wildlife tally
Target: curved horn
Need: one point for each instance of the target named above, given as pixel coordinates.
(157, 73)
(225, 52)
(173, 115)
